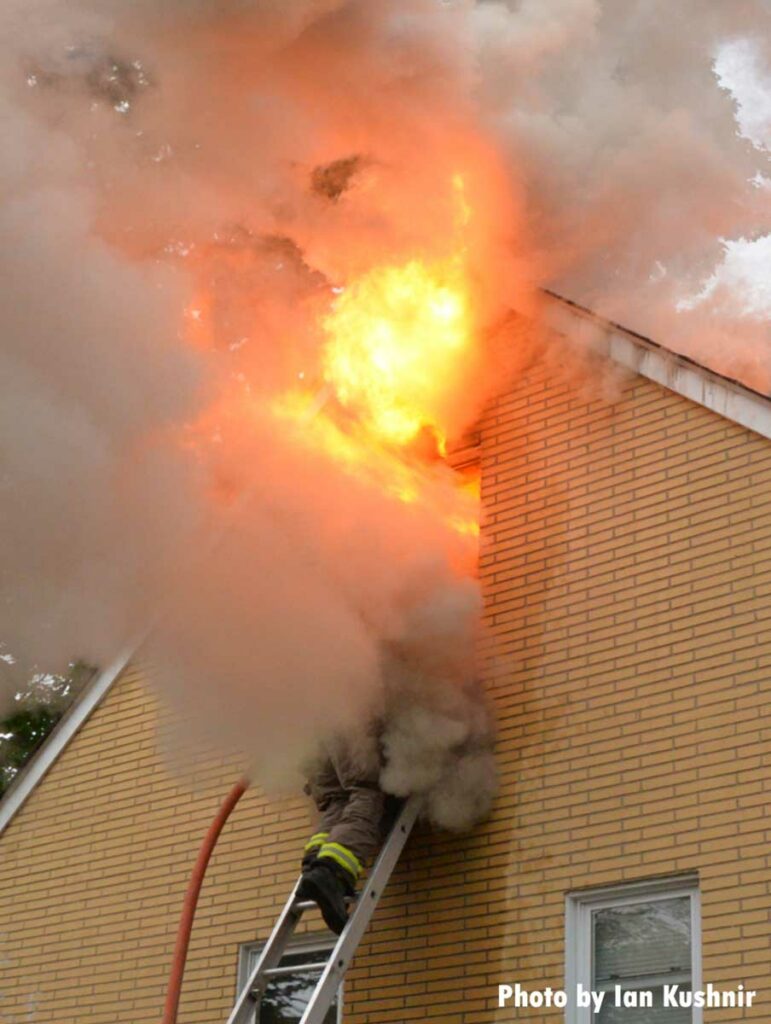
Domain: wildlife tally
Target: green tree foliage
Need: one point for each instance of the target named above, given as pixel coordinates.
(34, 713)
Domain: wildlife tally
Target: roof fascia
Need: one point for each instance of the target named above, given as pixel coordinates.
(722, 395)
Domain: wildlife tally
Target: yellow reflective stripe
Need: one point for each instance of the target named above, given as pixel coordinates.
(343, 856)
(344, 864)
(317, 840)
(344, 852)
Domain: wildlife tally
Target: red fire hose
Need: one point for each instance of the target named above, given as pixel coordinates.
(191, 901)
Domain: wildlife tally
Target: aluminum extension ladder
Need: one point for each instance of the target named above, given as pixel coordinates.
(332, 970)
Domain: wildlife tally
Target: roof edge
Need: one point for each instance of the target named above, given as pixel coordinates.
(34, 772)
(679, 373)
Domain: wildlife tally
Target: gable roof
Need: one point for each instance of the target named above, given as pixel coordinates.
(678, 373)
(723, 395)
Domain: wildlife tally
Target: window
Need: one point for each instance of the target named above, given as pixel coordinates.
(628, 942)
(286, 998)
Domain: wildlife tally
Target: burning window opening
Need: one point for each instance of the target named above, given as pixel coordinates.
(390, 347)
(367, 395)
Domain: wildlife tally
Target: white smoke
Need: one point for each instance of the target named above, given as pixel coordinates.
(438, 726)
(176, 167)
(631, 126)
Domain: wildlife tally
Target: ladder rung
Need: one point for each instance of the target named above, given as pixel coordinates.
(333, 970)
(277, 972)
(302, 905)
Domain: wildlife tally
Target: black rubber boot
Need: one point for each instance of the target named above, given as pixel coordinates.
(328, 885)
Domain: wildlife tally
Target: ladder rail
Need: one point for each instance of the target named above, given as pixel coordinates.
(350, 937)
(246, 1004)
(332, 970)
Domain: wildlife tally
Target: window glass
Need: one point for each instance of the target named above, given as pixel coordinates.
(640, 947)
(287, 997)
(643, 938)
(657, 1014)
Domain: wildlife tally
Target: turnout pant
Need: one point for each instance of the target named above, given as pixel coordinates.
(345, 790)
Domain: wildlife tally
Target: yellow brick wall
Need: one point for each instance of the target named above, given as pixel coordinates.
(628, 595)
(95, 864)
(624, 559)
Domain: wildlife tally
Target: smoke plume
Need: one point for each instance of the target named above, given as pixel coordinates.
(641, 135)
(196, 196)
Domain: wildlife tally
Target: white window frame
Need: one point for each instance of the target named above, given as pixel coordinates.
(579, 907)
(309, 944)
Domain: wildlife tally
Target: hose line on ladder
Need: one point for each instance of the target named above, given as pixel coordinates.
(191, 901)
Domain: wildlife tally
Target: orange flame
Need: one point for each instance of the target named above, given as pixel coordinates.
(396, 343)
(394, 338)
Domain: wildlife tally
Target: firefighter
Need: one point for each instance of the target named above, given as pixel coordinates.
(346, 791)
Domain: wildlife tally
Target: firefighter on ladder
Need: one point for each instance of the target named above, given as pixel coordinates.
(345, 788)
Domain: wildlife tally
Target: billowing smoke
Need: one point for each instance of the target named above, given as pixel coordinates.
(641, 134)
(191, 189)
(437, 737)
